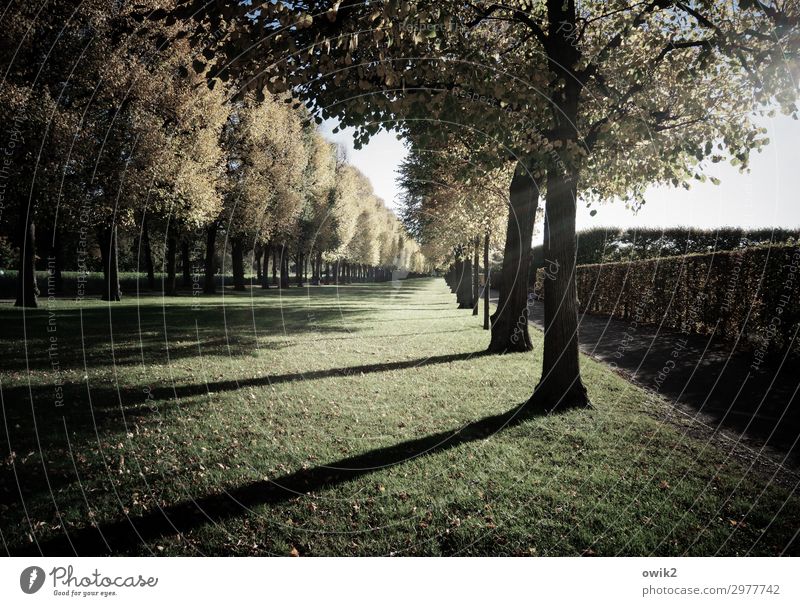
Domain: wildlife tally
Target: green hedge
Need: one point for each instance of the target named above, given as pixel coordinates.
(754, 292)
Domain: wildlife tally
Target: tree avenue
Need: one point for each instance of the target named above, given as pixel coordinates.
(599, 100)
(116, 138)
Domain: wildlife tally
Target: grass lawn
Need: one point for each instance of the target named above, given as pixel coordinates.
(362, 420)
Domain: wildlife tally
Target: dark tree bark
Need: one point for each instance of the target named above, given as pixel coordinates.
(465, 287)
(209, 287)
(475, 277)
(561, 386)
(237, 263)
(172, 253)
(186, 265)
(284, 261)
(486, 278)
(264, 272)
(148, 256)
(275, 265)
(316, 277)
(257, 251)
(27, 290)
(510, 320)
(298, 269)
(109, 255)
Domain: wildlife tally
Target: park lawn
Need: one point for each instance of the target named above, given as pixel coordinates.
(331, 416)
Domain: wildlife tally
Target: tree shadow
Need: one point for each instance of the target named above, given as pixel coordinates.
(707, 377)
(126, 535)
(153, 334)
(89, 410)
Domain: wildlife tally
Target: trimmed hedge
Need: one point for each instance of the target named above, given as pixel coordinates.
(754, 292)
(611, 244)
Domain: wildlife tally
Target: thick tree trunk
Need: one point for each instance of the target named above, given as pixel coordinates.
(186, 265)
(108, 253)
(284, 261)
(464, 297)
(209, 287)
(560, 385)
(510, 320)
(264, 272)
(237, 263)
(298, 269)
(27, 290)
(486, 281)
(316, 278)
(148, 256)
(172, 253)
(475, 277)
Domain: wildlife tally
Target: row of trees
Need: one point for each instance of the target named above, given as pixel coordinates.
(571, 102)
(110, 127)
(579, 102)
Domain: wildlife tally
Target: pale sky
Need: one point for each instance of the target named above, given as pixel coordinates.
(767, 196)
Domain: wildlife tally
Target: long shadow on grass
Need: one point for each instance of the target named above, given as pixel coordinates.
(126, 535)
(17, 398)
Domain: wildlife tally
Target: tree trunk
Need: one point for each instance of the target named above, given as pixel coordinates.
(148, 256)
(316, 278)
(186, 265)
(475, 277)
(560, 385)
(298, 269)
(264, 272)
(510, 320)
(27, 290)
(464, 290)
(237, 263)
(257, 251)
(284, 260)
(172, 253)
(108, 252)
(209, 287)
(275, 265)
(486, 278)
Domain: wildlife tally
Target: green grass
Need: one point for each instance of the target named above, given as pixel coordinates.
(290, 387)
